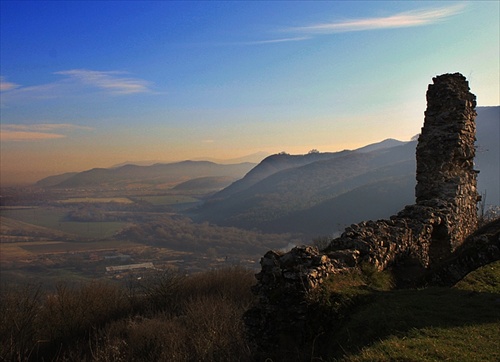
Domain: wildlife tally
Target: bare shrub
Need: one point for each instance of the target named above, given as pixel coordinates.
(162, 292)
(194, 318)
(160, 339)
(321, 242)
(216, 329)
(232, 283)
(18, 322)
(72, 312)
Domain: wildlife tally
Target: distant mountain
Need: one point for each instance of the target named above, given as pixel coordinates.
(266, 204)
(253, 158)
(319, 193)
(138, 163)
(283, 161)
(147, 176)
(388, 143)
(272, 165)
(54, 180)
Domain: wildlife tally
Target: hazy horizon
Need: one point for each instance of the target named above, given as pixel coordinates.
(95, 84)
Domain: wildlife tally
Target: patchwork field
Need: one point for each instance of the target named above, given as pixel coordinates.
(29, 250)
(172, 199)
(52, 218)
(96, 200)
(68, 247)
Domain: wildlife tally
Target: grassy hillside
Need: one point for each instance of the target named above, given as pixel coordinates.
(436, 324)
(177, 318)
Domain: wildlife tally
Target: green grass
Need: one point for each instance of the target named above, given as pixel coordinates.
(458, 344)
(434, 324)
(485, 279)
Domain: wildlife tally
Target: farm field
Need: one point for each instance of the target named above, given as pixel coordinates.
(53, 218)
(32, 250)
(96, 200)
(51, 262)
(172, 199)
(75, 246)
(76, 235)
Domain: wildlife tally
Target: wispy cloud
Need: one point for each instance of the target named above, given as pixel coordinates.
(74, 83)
(108, 80)
(5, 86)
(280, 40)
(27, 136)
(400, 20)
(36, 132)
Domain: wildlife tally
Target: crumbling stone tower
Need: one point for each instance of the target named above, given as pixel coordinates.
(416, 241)
(446, 178)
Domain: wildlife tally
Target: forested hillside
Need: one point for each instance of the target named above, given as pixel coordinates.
(320, 193)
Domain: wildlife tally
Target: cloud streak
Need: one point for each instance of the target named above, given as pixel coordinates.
(5, 86)
(400, 20)
(76, 82)
(36, 132)
(107, 80)
(282, 40)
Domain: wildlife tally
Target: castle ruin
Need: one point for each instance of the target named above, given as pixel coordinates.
(421, 235)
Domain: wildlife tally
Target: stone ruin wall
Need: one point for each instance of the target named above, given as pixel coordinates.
(445, 156)
(445, 213)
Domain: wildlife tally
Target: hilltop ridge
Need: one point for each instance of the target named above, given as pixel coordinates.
(322, 189)
(156, 175)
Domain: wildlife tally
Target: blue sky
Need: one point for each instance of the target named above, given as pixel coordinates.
(92, 84)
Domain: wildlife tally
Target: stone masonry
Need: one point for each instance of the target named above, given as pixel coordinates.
(421, 235)
(445, 160)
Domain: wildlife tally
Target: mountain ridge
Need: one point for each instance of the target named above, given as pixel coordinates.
(170, 173)
(287, 192)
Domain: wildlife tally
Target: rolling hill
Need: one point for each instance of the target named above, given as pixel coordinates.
(272, 203)
(320, 193)
(155, 175)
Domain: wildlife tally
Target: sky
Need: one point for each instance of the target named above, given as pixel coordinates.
(97, 83)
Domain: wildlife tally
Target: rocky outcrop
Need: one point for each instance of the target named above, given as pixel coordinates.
(419, 237)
